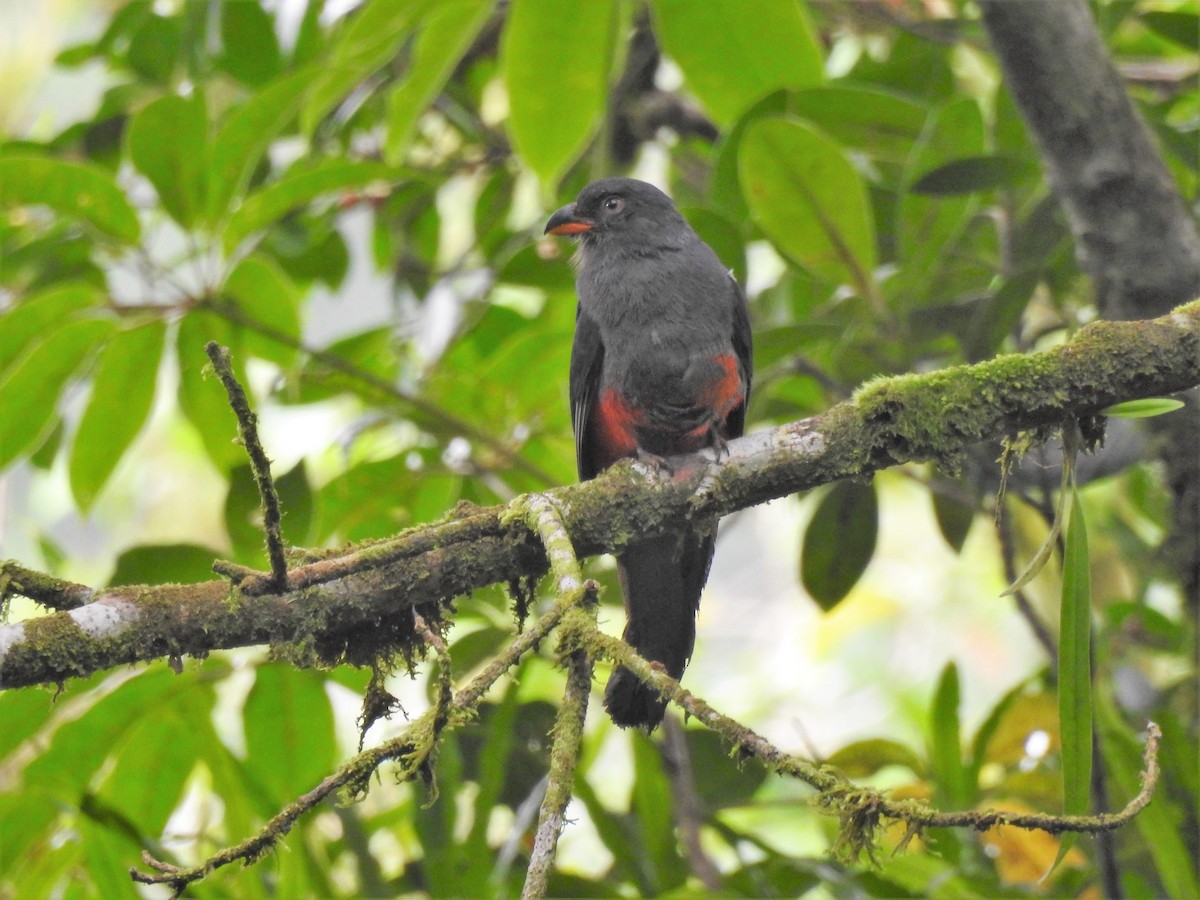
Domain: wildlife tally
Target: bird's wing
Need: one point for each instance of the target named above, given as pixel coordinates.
(587, 358)
(743, 346)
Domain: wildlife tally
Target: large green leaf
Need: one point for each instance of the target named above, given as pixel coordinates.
(809, 200)
(164, 564)
(264, 292)
(167, 143)
(29, 389)
(839, 542)
(295, 188)
(79, 190)
(35, 316)
(929, 228)
(122, 395)
(443, 35)
(734, 53)
(556, 60)
(250, 49)
(246, 134)
(289, 730)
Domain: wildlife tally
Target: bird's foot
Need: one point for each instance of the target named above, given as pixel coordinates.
(657, 464)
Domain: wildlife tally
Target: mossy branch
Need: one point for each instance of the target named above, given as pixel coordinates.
(333, 602)
(260, 465)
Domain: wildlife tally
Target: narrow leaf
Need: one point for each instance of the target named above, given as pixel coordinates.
(444, 35)
(976, 173)
(949, 770)
(71, 189)
(247, 133)
(809, 200)
(267, 206)
(1075, 667)
(839, 542)
(556, 60)
(122, 395)
(1143, 409)
(1075, 674)
(372, 36)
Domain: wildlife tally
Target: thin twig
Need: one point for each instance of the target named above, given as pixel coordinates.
(445, 420)
(407, 747)
(51, 592)
(866, 808)
(259, 464)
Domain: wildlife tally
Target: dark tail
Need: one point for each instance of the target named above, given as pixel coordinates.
(661, 580)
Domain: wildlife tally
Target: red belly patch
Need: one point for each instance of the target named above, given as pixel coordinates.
(615, 423)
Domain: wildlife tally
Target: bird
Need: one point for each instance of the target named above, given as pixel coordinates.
(661, 365)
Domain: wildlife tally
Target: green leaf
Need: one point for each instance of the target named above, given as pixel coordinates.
(29, 390)
(839, 542)
(973, 174)
(928, 229)
(652, 804)
(999, 314)
(864, 758)
(733, 53)
(250, 52)
(1178, 26)
(1075, 673)
(153, 745)
(122, 396)
(154, 48)
(1159, 823)
(80, 190)
(1142, 409)
(949, 771)
(243, 513)
(164, 564)
(267, 206)
(443, 34)
(202, 398)
(1074, 666)
(708, 752)
(954, 519)
(373, 35)
(35, 316)
(809, 200)
(556, 60)
(247, 133)
(289, 730)
(167, 143)
(264, 292)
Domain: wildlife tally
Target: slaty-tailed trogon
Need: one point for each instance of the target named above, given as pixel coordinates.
(660, 366)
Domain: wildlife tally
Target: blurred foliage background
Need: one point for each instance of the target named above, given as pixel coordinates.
(350, 197)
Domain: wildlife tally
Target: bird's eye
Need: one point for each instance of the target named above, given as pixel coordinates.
(614, 204)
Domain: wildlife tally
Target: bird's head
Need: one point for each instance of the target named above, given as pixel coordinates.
(630, 213)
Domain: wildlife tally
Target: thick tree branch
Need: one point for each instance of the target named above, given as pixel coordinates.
(334, 606)
(1134, 236)
(1133, 233)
